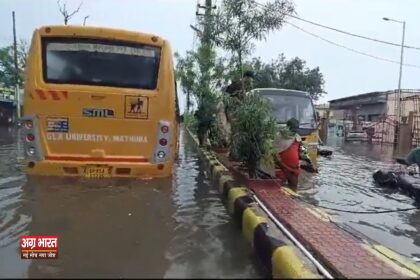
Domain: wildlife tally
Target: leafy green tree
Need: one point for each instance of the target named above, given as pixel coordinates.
(239, 22)
(185, 74)
(7, 64)
(200, 73)
(253, 131)
(288, 74)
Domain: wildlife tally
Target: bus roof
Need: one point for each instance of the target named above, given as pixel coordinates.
(281, 91)
(99, 32)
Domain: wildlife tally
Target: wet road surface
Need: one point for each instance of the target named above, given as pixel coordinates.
(174, 227)
(345, 182)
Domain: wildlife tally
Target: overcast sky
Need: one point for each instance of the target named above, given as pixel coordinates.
(346, 73)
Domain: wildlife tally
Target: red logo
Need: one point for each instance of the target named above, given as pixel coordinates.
(39, 247)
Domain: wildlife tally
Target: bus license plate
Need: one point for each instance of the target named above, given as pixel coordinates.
(96, 172)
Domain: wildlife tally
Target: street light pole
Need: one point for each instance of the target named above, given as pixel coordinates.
(398, 99)
(399, 81)
(17, 90)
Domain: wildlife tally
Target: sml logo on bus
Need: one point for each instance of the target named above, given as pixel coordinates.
(39, 247)
(98, 113)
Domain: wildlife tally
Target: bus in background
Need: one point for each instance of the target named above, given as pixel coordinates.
(99, 103)
(296, 104)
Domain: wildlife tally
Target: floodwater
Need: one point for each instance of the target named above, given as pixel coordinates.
(174, 227)
(345, 182)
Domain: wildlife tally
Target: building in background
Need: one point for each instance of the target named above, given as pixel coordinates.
(364, 107)
(7, 110)
(373, 106)
(8, 105)
(378, 110)
(322, 110)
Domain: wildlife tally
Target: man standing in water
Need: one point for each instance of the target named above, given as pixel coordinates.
(289, 152)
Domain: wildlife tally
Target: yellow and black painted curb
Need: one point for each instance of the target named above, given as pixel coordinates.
(277, 258)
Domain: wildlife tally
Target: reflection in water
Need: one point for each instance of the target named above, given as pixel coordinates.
(345, 182)
(206, 242)
(105, 230)
(174, 227)
(12, 224)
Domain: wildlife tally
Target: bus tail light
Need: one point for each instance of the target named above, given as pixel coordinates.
(163, 142)
(32, 143)
(30, 137)
(29, 124)
(31, 151)
(162, 149)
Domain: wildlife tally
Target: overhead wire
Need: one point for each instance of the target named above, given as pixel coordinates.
(353, 34)
(351, 49)
(346, 32)
(345, 47)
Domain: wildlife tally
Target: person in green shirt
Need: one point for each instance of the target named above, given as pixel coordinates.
(413, 157)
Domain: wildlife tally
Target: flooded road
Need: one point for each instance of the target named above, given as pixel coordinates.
(174, 227)
(345, 182)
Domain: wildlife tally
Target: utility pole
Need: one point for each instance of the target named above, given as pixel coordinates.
(398, 94)
(207, 22)
(206, 33)
(17, 91)
(400, 75)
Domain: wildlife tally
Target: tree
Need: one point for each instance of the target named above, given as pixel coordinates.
(185, 74)
(66, 14)
(7, 66)
(22, 54)
(253, 131)
(239, 22)
(200, 74)
(288, 74)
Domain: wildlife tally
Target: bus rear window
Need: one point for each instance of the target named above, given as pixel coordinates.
(100, 63)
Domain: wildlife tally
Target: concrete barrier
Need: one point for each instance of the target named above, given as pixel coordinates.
(275, 256)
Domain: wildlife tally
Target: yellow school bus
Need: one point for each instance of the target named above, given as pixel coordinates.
(99, 103)
(296, 104)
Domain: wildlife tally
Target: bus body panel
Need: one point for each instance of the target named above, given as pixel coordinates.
(81, 124)
(310, 136)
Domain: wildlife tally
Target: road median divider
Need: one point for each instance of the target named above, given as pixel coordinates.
(278, 258)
